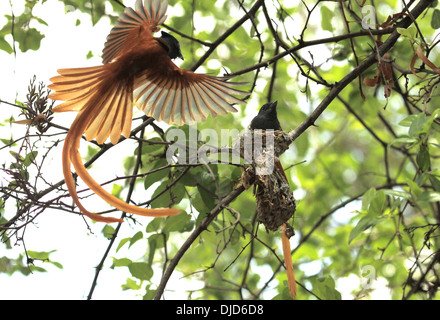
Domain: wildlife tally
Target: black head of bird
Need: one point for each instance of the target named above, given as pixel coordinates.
(173, 45)
(267, 118)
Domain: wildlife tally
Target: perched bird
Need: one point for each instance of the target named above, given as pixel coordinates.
(137, 68)
(266, 118)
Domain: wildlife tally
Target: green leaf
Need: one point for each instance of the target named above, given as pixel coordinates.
(157, 240)
(429, 196)
(367, 197)
(157, 176)
(198, 203)
(5, 46)
(176, 223)
(41, 21)
(404, 32)
(207, 197)
(30, 157)
(35, 268)
(131, 285)
(108, 231)
(188, 179)
(154, 144)
(324, 288)
(403, 139)
(24, 174)
(435, 19)
(167, 195)
(410, 32)
(308, 251)
(154, 225)
(396, 193)
(406, 122)
(56, 264)
(149, 295)
(206, 188)
(413, 31)
(16, 156)
(377, 204)
(138, 236)
(96, 9)
(39, 255)
(326, 19)
(418, 125)
(122, 242)
(152, 246)
(89, 55)
(29, 39)
(236, 174)
(435, 182)
(225, 186)
(7, 141)
(43, 256)
(140, 270)
(91, 151)
(124, 262)
(117, 189)
(423, 158)
(362, 225)
(415, 189)
(434, 115)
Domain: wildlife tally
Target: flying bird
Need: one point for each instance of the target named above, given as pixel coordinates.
(137, 68)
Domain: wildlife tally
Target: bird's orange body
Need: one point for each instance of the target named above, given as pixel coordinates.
(137, 69)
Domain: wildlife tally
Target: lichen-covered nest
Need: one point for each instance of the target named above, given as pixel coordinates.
(275, 201)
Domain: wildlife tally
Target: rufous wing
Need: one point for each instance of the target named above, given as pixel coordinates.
(184, 97)
(76, 86)
(145, 17)
(109, 116)
(114, 116)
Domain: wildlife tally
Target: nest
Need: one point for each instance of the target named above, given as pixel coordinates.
(275, 201)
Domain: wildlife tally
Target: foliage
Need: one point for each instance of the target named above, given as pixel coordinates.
(363, 166)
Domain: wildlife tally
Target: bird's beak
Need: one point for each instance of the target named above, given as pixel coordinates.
(274, 105)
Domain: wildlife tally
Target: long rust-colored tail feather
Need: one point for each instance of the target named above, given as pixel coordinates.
(111, 199)
(288, 262)
(70, 183)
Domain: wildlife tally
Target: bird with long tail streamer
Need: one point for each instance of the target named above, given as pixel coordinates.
(274, 214)
(137, 68)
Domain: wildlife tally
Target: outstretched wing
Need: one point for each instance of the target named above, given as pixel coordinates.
(114, 115)
(78, 86)
(145, 18)
(75, 86)
(184, 97)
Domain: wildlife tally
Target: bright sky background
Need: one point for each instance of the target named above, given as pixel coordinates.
(66, 45)
(77, 250)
